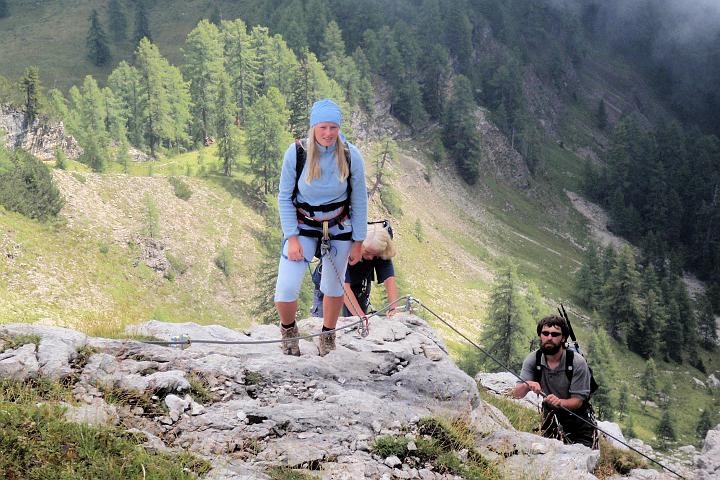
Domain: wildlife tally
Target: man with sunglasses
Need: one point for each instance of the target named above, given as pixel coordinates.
(564, 377)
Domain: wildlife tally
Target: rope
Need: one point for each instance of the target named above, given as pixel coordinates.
(542, 393)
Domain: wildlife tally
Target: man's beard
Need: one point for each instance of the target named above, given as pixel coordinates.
(551, 348)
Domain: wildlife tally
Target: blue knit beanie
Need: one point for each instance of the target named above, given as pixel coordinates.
(325, 110)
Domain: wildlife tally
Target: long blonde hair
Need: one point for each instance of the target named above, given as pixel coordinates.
(313, 158)
(378, 240)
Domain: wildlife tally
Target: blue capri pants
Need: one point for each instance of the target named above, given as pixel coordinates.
(291, 273)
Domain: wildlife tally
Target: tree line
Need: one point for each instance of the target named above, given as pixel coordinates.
(648, 310)
(662, 190)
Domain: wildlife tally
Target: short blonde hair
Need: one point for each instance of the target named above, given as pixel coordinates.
(378, 240)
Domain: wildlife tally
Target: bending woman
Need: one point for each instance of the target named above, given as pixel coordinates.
(325, 195)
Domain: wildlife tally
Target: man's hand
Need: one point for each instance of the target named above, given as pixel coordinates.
(295, 250)
(535, 387)
(355, 253)
(553, 401)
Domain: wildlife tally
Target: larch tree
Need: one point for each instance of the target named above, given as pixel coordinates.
(242, 66)
(204, 67)
(228, 134)
(621, 290)
(32, 89)
(507, 327)
(266, 138)
(155, 104)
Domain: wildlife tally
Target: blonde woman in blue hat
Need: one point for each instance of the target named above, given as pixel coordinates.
(322, 194)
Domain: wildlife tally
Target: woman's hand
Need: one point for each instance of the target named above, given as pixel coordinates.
(355, 253)
(295, 250)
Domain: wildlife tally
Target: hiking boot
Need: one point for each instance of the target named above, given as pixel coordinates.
(327, 343)
(290, 344)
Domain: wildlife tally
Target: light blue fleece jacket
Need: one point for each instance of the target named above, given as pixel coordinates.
(326, 189)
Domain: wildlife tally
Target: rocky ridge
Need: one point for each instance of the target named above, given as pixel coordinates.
(261, 408)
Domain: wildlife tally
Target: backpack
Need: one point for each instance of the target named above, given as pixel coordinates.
(569, 357)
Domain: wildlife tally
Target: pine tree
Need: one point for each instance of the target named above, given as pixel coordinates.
(142, 25)
(601, 358)
(228, 134)
(366, 95)
(31, 86)
(154, 101)
(265, 135)
(621, 296)
(665, 430)
(647, 327)
(117, 21)
(126, 83)
(707, 328)
(266, 278)
(649, 381)
(204, 67)
(460, 135)
(589, 278)
(90, 124)
(303, 94)
(96, 42)
(507, 327)
(4, 9)
(242, 66)
(623, 400)
(705, 423)
(434, 68)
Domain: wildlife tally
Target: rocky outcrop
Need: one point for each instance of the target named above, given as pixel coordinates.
(42, 138)
(246, 406)
(708, 462)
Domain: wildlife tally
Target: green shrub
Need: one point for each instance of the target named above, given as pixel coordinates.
(60, 159)
(177, 266)
(26, 187)
(182, 189)
(224, 261)
(387, 445)
(391, 200)
(151, 218)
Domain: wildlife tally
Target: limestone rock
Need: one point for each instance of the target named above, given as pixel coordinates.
(20, 363)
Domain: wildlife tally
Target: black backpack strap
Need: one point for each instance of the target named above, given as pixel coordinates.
(299, 165)
(537, 372)
(569, 357)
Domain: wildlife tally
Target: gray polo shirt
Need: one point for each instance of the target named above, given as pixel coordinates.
(555, 380)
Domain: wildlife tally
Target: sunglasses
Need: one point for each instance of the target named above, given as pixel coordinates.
(550, 334)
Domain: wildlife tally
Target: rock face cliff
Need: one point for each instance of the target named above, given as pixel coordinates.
(41, 138)
(261, 408)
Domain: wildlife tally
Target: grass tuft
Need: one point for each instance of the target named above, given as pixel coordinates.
(615, 460)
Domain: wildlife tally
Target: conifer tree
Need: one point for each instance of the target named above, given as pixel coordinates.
(117, 21)
(227, 132)
(304, 92)
(32, 88)
(265, 139)
(460, 135)
(705, 423)
(4, 9)
(621, 296)
(365, 89)
(646, 329)
(601, 358)
(125, 82)
(589, 278)
(707, 328)
(204, 67)
(155, 104)
(90, 112)
(623, 400)
(178, 93)
(142, 24)
(649, 382)
(507, 326)
(242, 66)
(665, 430)
(458, 32)
(435, 67)
(96, 41)
(293, 23)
